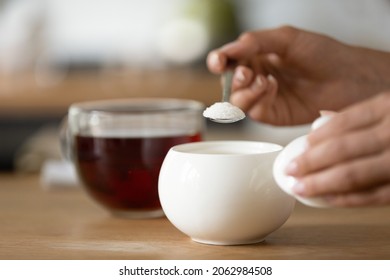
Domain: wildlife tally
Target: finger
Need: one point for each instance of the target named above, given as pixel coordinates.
(245, 98)
(216, 62)
(347, 177)
(346, 147)
(260, 110)
(243, 77)
(377, 196)
(274, 60)
(355, 117)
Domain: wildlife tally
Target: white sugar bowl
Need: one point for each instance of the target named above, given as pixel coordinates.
(223, 192)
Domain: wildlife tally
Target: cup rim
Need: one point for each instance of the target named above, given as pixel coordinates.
(227, 148)
(136, 105)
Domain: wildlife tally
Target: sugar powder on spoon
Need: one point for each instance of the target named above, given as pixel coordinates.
(223, 111)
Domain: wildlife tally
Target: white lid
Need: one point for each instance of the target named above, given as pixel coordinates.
(291, 151)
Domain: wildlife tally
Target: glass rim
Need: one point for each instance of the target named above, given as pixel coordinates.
(123, 106)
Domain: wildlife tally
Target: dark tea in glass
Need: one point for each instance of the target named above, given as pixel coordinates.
(118, 147)
(122, 173)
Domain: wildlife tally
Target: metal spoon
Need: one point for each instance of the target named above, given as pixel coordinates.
(230, 112)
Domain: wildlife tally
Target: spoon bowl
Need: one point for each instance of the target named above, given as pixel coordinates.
(225, 112)
(225, 120)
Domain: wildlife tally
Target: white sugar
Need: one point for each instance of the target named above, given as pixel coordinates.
(223, 110)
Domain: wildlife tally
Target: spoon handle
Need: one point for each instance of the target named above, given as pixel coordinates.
(227, 85)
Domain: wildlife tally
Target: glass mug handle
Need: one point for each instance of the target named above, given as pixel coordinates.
(66, 140)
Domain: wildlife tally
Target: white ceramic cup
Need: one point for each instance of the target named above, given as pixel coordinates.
(223, 192)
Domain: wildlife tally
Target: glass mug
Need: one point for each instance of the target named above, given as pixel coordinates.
(118, 147)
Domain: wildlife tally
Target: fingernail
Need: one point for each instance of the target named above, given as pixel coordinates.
(215, 60)
(299, 188)
(292, 168)
(257, 84)
(326, 112)
(271, 78)
(240, 76)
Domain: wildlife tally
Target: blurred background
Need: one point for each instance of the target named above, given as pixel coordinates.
(56, 52)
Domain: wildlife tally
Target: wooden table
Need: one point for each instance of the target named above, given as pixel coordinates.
(66, 224)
